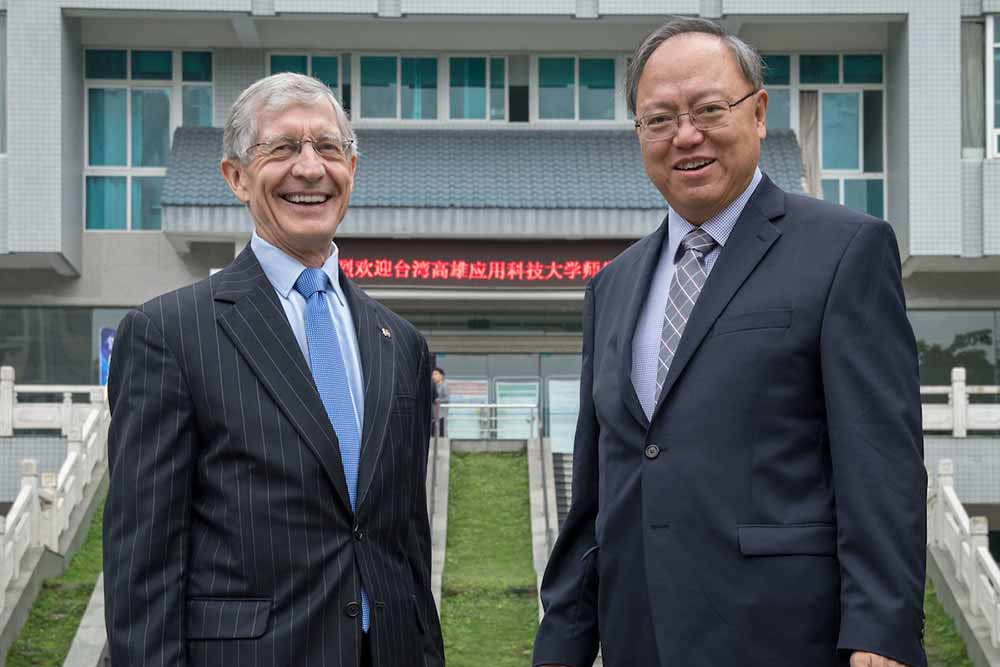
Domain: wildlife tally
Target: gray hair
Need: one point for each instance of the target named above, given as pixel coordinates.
(274, 93)
(746, 56)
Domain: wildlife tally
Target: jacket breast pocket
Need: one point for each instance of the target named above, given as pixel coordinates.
(806, 539)
(777, 318)
(227, 618)
(404, 405)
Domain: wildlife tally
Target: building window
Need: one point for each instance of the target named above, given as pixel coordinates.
(572, 88)
(477, 84)
(134, 101)
(836, 105)
(399, 87)
(993, 85)
(322, 66)
(948, 339)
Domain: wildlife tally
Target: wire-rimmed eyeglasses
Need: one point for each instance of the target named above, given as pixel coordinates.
(330, 148)
(663, 125)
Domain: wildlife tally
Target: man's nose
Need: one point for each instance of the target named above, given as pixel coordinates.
(308, 163)
(687, 134)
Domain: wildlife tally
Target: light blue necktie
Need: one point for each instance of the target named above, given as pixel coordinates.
(330, 374)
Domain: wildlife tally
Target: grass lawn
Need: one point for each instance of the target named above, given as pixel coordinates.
(489, 609)
(46, 637)
(941, 641)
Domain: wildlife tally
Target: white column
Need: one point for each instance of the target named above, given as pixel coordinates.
(7, 401)
(945, 480)
(959, 403)
(980, 537)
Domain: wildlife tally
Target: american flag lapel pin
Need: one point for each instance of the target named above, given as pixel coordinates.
(386, 333)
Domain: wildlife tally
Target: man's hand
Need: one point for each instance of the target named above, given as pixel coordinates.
(864, 659)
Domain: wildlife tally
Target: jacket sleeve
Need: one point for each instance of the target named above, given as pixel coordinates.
(419, 550)
(872, 390)
(150, 454)
(568, 633)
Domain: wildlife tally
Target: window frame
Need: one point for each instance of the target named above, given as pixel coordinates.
(176, 86)
(488, 57)
(534, 90)
(796, 87)
(339, 55)
(441, 98)
(992, 133)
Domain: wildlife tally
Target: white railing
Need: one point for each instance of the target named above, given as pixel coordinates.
(960, 415)
(490, 421)
(966, 541)
(43, 508)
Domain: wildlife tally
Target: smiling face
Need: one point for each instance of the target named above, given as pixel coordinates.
(296, 203)
(700, 173)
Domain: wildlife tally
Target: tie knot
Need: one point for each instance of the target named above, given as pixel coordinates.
(311, 281)
(699, 241)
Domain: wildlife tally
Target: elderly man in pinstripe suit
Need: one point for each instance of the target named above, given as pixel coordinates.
(269, 434)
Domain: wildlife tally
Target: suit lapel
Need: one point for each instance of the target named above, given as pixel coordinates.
(750, 240)
(257, 325)
(378, 368)
(640, 288)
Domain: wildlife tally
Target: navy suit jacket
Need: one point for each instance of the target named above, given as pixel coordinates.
(228, 532)
(773, 510)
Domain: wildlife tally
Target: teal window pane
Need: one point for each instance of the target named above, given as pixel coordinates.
(105, 64)
(156, 65)
(327, 70)
(819, 69)
(345, 87)
(556, 83)
(597, 89)
(777, 70)
(146, 193)
(873, 130)
(840, 131)
(996, 87)
(498, 88)
(150, 127)
(106, 202)
(197, 106)
(106, 126)
(779, 110)
(378, 87)
(831, 190)
(419, 87)
(467, 97)
(864, 195)
(284, 63)
(197, 65)
(863, 69)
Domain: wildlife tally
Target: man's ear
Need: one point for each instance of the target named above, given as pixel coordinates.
(235, 175)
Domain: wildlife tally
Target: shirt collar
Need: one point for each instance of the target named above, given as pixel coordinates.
(720, 225)
(283, 270)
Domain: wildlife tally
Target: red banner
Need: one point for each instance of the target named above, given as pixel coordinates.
(464, 270)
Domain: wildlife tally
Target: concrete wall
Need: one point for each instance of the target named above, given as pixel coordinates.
(897, 134)
(119, 269)
(71, 144)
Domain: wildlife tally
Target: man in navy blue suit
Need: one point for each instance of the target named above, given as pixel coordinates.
(748, 479)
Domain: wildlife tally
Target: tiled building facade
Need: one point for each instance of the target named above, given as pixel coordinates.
(480, 126)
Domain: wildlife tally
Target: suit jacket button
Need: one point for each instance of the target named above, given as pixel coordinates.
(352, 609)
(359, 534)
(652, 451)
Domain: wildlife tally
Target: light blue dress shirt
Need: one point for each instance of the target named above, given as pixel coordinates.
(648, 330)
(283, 270)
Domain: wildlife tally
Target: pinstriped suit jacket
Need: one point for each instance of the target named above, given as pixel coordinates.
(228, 533)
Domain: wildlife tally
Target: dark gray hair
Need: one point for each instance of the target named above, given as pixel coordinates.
(274, 93)
(746, 56)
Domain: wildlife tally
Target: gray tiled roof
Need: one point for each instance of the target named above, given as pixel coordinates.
(512, 169)
(977, 465)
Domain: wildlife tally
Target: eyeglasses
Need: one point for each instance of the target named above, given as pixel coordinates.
(329, 148)
(663, 125)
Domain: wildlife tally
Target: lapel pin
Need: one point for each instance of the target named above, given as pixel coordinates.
(386, 333)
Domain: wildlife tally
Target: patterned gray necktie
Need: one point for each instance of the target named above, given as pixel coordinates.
(685, 286)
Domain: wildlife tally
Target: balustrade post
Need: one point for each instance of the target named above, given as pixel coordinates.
(979, 537)
(931, 525)
(66, 413)
(945, 479)
(50, 519)
(959, 403)
(29, 478)
(6, 401)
